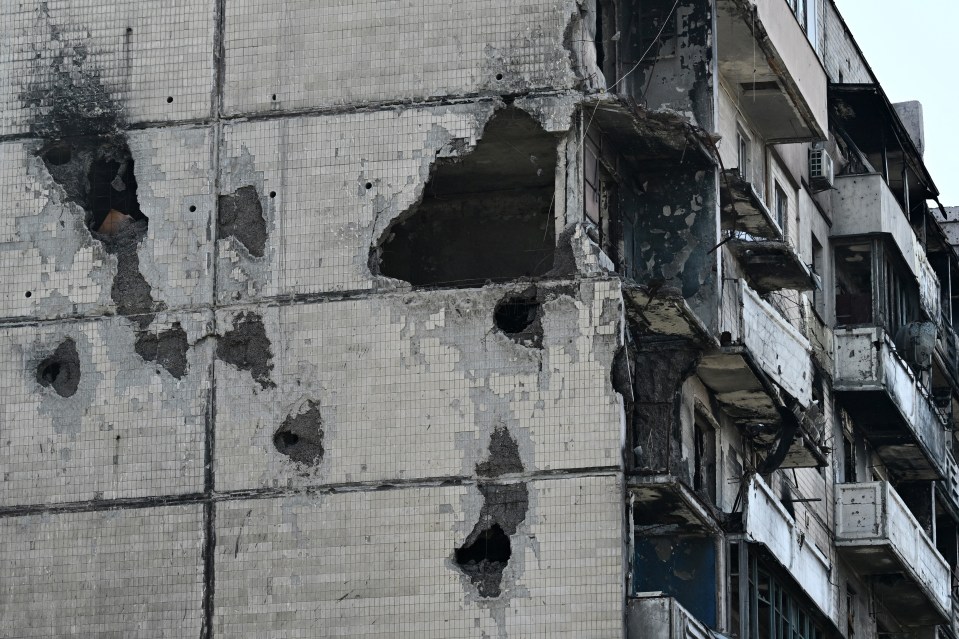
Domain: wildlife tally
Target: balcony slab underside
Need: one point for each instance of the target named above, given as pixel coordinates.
(665, 503)
(764, 52)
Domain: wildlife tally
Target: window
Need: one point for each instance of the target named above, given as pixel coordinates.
(742, 152)
(782, 205)
(772, 610)
(853, 283)
(818, 269)
(704, 473)
(800, 9)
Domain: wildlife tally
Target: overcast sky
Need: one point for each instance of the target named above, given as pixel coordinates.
(913, 47)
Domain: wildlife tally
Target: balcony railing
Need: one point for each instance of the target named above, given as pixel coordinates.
(864, 204)
(767, 522)
(765, 55)
(879, 536)
(896, 414)
(655, 616)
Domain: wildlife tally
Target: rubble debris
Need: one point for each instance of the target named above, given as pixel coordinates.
(503, 455)
(300, 436)
(519, 317)
(241, 217)
(61, 370)
(167, 348)
(248, 348)
(483, 217)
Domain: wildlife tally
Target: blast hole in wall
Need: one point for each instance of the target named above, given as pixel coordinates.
(485, 559)
(61, 370)
(486, 216)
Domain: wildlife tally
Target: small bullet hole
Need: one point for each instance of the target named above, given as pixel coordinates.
(129, 30)
(272, 193)
(274, 97)
(28, 294)
(192, 208)
(369, 185)
(169, 99)
(118, 438)
(499, 76)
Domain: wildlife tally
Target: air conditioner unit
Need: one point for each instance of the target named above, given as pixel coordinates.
(916, 343)
(820, 170)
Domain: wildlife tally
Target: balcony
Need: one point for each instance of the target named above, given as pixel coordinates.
(767, 522)
(878, 536)
(896, 414)
(764, 362)
(764, 54)
(865, 205)
(655, 616)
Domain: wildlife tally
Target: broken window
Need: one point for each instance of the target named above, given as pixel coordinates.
(854, 284)
(773, 608)
(782, 207)
(484, 217)
(600, 188)
(818, 270)
(704, 477)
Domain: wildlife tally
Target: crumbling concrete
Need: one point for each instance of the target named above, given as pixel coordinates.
(241, 217)
(503, 455)
(247, 347)
(167, 348)
(61, 370)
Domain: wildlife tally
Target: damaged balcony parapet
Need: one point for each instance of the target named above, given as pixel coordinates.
(650, 138)
(667, 504)
(771, 265)
(881, 392)
(767, 522)
(662, 311)
(765, 54)
(762, 378)
(743, 209)
(662, 617)
(878, 536)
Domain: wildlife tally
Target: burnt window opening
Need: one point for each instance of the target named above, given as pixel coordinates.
(61, 370)
(483, 217)
(485, 559)
(519, 317)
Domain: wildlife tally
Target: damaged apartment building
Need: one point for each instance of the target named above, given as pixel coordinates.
(540, 318)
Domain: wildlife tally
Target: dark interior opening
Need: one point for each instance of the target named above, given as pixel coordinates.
(285, 440)
(485, 559)
(113, 190)
(50, 373)
(61, 370)
(516, 314)
(483, 217)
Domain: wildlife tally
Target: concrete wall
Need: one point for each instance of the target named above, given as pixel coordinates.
(221, 420)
